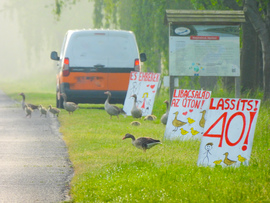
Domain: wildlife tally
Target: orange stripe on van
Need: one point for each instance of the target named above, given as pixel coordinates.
(97, 81)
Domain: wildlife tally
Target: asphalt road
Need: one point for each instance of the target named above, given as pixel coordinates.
(34, 163)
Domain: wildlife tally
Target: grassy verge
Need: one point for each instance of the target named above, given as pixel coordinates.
(109, 169)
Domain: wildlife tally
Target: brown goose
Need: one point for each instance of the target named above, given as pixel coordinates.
(54, 111)
(43, 110)
(69, 106)
(143, 143)
(32, 106)
(135, 123)
(28, 111)
(150, 118)
(112, 110)
(164, 117)
(135, 111)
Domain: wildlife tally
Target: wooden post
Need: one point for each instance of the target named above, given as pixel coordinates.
(171, 87)
(237, 87)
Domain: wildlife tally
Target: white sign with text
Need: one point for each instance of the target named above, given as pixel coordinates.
(187, 114)
(144, 85)
(229, 132)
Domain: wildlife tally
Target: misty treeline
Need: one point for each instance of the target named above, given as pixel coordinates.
(146, 19)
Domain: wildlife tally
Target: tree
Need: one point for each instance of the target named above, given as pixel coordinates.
(258, 14)
(144, 18)
(261, 24)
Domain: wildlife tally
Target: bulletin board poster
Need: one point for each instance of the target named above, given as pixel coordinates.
(204, 50)
(187, 114)
(144, 85)
(229, 132)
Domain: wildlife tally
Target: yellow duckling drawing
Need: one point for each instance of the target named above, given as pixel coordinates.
(183, 132)
(202, 121)
(217, 162)
(228, 161)
(177, 123)
(241, 159)
(190, 120)
(194, 132)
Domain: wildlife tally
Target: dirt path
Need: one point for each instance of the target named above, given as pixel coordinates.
(34, 164)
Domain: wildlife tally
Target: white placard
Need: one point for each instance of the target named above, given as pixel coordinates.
(229, 132)
(204, 50)
(187, 114)
(144, 85)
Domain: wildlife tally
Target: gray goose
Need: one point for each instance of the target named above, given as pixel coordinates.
(112, 110)
(43, 110)
(135, 111)
(32, 106)
(28, 111)
(164, 117)
(54, 111)
(143, 143)
(69, 106)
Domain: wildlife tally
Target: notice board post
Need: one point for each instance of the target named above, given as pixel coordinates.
(204, 43)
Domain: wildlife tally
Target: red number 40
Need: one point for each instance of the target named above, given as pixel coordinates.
(226, 126)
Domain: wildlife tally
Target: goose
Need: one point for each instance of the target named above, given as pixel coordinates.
(54, 111)
(228, 161)
(164, 117)
(28, 111)
(69, 106)
(112, 110)
(32, 106)
(135, 111)
(177, 123)
(43, 110)
(135, 123)
(150, 118)
(143, 143)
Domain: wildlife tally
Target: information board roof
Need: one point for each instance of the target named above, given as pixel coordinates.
(220, 17)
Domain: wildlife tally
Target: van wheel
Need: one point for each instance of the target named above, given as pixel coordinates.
(59, 102)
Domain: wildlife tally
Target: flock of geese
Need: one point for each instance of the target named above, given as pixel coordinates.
(29, 108)
(143, 143)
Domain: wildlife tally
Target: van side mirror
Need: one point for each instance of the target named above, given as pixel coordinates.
(54, 56)
(143, 57)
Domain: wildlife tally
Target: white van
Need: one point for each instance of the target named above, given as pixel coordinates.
(94, 61)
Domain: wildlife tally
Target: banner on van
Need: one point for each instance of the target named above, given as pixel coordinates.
(144, 85)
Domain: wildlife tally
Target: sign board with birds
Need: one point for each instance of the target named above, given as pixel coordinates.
(229, 131)
(187, 114)
(144, 85)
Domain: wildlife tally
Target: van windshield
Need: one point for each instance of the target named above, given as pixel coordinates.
(111, 50)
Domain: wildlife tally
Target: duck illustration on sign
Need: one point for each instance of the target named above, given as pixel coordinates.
(188, 112)
(177, 123)
(144, 85)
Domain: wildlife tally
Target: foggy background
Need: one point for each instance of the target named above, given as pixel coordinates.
(29, 31)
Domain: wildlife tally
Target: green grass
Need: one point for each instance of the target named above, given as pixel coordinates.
(109, 169)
